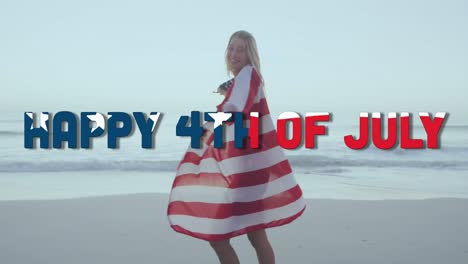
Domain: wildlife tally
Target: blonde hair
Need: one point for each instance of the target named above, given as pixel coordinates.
(252, 52)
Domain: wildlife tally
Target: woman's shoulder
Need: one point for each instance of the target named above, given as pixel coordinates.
(246, 68)
(247, 71)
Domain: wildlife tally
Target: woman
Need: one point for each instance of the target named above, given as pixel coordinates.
(220, 193)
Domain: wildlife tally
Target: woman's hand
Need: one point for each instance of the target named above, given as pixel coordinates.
(221, 91)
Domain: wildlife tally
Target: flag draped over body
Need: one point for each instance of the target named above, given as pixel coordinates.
(221, 193)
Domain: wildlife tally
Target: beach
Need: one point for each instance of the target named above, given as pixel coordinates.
(107, 206)
(134, 229)
(80, 182)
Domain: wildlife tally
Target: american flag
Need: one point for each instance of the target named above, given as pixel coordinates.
(222, 193)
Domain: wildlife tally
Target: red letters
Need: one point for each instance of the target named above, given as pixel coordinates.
(377, 131)
(253, 130)
(295, 140)
(363, 134)
(311, 129)
(432, 127)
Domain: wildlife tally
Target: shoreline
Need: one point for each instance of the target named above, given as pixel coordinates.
(361, 184)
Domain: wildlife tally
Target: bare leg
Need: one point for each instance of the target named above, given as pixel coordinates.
(225, 252)
(259, 241)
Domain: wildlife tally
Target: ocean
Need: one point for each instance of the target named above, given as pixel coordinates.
(331, 170)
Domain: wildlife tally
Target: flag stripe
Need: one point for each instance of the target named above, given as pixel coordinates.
(255, 86)
(266, 142)
(234, 165)
(225, 210)
(216, 237)
(230, 224)
(221, 193)
(215, 194)
(265, 125)
(235, 180)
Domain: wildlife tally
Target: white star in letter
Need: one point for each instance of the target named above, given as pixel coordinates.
(155, 120)
(99, 119)
(30, 114)
(219, 118)
(44, 118)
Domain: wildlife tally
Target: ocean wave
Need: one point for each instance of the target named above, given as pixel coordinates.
(88, 165)
(308, 162)
(318, 161)
(11, 121)
(10, 133)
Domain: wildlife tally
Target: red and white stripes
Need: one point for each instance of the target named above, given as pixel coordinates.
(221, 193)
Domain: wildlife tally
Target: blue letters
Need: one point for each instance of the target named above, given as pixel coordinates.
(90, 125)
(41, 132)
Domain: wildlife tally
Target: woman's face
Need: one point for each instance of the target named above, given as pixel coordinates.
(237, 55)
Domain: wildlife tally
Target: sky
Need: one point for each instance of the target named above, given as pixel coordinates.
(343, 57)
